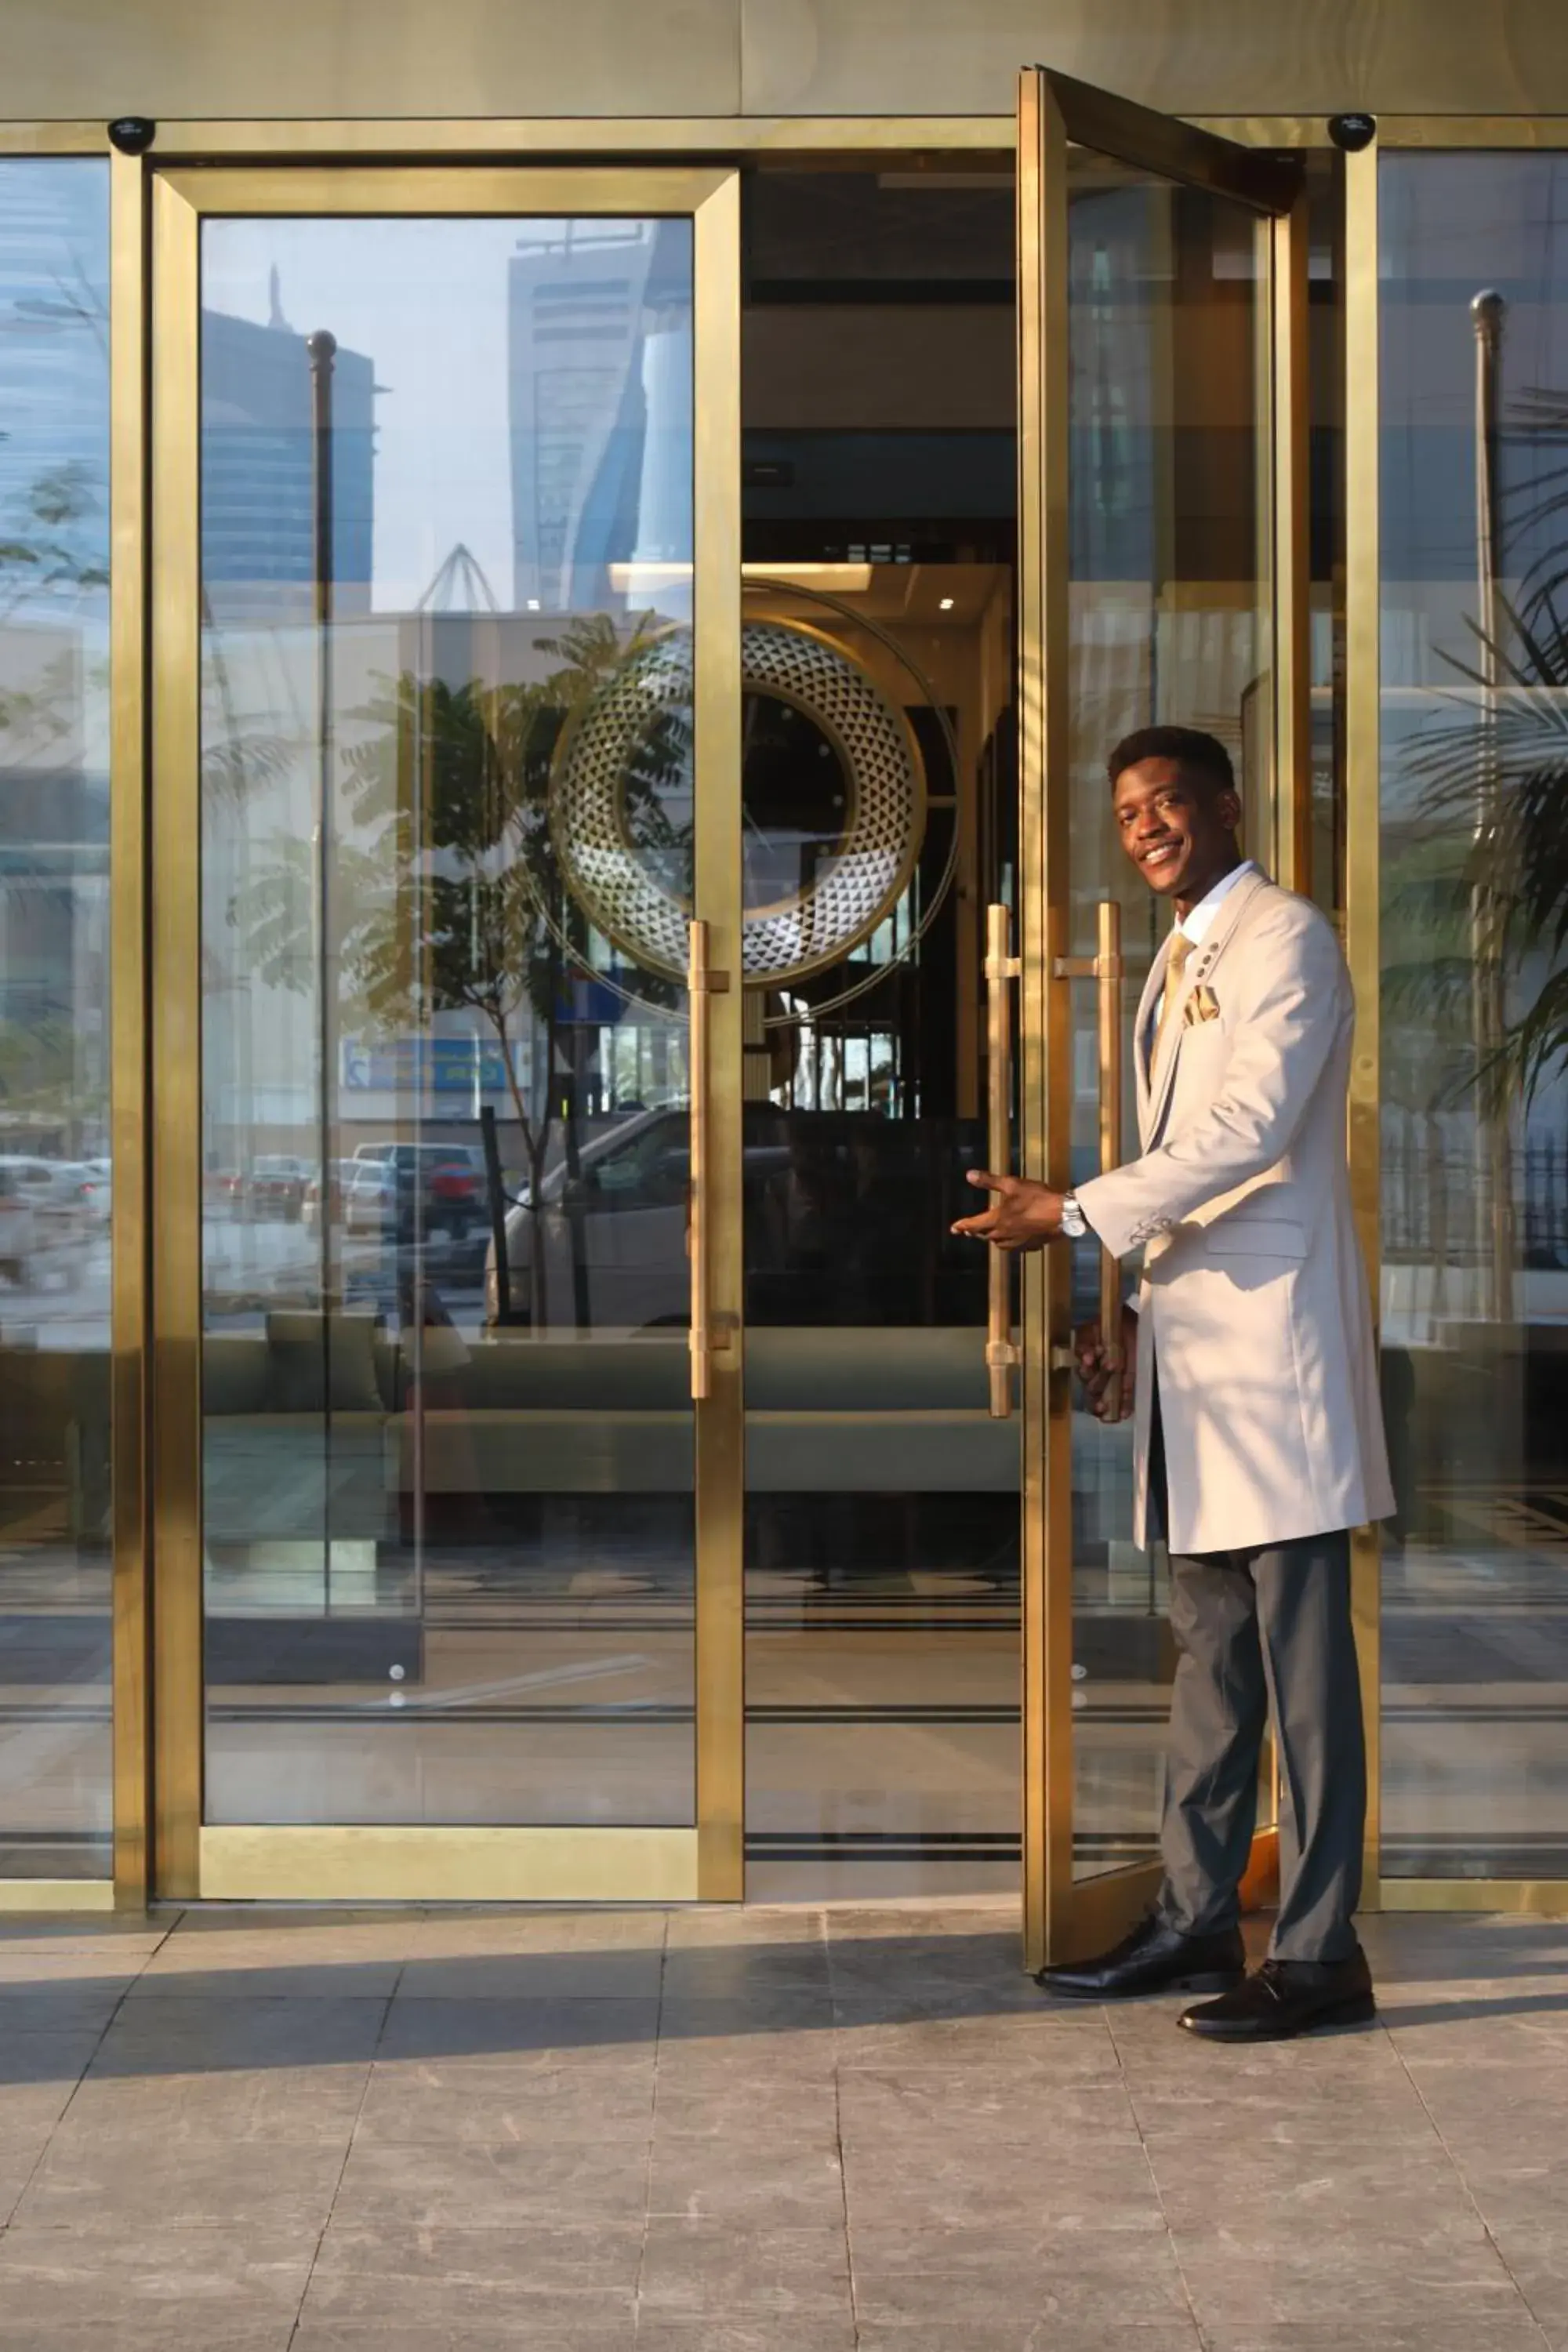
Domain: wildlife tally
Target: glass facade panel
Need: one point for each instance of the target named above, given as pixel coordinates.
(55, 1781)
(1167, 623)
(1474, 434)
(880, 796)
(446, 850)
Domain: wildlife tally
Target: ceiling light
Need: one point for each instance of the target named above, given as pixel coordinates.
(945, 604)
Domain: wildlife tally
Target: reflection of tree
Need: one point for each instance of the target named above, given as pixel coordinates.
(1476, 901)
(448, 893)
(1483, 873)
(51, 556)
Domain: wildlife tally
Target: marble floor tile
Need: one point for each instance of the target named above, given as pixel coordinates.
(1237, 2277)
(1326, 2189)
(473, 1935)
(709, 1973)
(530, 2330)
(1503, 2332)
(522, 2273)
(85, 2184)
(461, 2186)
(238, 2284)
(710, 2268)
(705, 2104)
(1080, 2187)
(633, 1973)
(423, 2105)
(301, 1964)
(499, 2029)
(720, 2334)
(1066, 2050)
(783, 2181)
(708, 1926)
(310, 2103)
(986, 2108)
(986, 2277)
(80, 2005)
(176, 2035)
(1536, 2256)
(1032, 2333)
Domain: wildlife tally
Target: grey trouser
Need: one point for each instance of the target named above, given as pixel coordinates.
(1255, 1630)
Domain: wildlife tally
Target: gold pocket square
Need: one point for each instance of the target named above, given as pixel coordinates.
(1202, 1006)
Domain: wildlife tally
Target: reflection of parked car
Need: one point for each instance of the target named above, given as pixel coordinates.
(84, 1184)
(275, 1186)
(341, 1175)
(846, 1217)
(16, 1226)
(412, 1189)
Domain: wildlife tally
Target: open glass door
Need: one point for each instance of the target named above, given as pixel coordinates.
(1161, 290)
(446, 1054)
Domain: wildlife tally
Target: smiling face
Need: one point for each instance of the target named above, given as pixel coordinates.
(1179, 832)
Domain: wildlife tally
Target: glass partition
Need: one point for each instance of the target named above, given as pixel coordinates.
(446, 854)
(1474, 450)
(1167, 624)
(56, 1781)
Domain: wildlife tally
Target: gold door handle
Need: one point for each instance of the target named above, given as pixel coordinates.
(1001, 970)
(704, 983)
(1105, 969)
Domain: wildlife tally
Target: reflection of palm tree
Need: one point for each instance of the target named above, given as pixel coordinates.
(446, 882)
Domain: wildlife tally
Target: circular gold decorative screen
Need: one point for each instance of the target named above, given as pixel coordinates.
(621, 805)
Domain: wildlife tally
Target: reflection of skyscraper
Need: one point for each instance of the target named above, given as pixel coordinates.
(600, 404)
(54, 616)
(258, 468)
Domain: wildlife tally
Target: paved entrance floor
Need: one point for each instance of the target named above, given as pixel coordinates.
(771, 2131)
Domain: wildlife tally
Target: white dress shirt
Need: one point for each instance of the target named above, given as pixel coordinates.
(1198, 921)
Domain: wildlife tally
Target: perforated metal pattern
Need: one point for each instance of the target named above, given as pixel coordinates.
(853, 888)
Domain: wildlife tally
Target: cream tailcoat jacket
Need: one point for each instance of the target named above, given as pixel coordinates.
(1253, 1300)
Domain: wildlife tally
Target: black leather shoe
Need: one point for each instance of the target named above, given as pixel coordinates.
(1155, 1958)
(1287, 1998)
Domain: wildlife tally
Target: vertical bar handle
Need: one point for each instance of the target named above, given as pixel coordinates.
(703, 983)
(1001, 970)
(1108, 988)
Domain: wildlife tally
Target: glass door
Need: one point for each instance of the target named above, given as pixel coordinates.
(1161, 287)
(447, 1078)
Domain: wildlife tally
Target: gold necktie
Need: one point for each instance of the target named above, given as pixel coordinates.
(1176, 964)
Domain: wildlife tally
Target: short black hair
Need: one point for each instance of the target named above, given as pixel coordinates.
(1202, 757)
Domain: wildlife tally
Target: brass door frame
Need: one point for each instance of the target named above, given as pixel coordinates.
(190, 1858)
(763, 140)
(1055, 114)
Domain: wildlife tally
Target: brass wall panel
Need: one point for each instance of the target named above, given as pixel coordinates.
(68, 59)
(367, 58)
(1216, 56)
(365, 1864)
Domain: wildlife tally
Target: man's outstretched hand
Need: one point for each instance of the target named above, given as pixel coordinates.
(1096, 1371)
(1021, 1215)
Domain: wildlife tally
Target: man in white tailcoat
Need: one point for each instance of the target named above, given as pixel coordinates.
(1252, 1382)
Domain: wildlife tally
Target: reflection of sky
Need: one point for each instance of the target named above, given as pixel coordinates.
(427, 301)
(54, 378)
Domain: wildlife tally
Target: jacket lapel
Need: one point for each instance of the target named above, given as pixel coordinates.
(1200, 964)
(1153, 987)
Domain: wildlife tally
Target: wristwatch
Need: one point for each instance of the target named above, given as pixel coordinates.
(1075, 1224)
